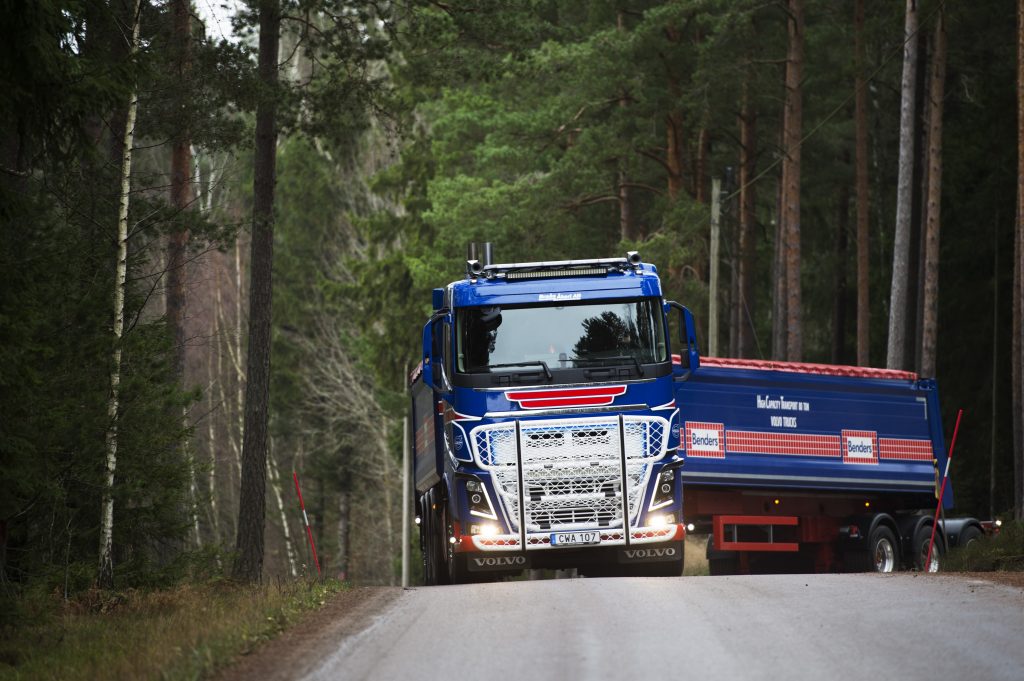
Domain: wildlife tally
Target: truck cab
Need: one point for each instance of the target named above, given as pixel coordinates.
(546, 430)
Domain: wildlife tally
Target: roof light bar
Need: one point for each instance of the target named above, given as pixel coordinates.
(561, 268)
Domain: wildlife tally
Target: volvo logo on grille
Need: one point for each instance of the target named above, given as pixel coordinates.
(497, 563)
(648, 555)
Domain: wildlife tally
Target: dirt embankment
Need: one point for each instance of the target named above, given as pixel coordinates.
(299, 650)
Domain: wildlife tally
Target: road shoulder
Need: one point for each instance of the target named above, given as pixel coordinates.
(301, 648)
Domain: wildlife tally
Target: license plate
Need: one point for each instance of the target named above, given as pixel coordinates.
(575, 538)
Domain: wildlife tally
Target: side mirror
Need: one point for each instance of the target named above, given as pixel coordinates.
(434, 372)
(438, 298)
(428, 350)
(689, 353)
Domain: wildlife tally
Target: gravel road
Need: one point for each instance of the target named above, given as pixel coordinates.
(819, 627)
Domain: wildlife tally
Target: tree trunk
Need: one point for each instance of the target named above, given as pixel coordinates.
(861, 174)
(748, 167)
(105, 573)
(674, 152)
(904, 195)
(839, 301)
(779, 276)
(1018, 287)
(700, 174)
(252, 498)
(275, 483)
(792, 132)
(181, 192)
(627, 225)
(930, 318)
(918, 213)
(344, 523)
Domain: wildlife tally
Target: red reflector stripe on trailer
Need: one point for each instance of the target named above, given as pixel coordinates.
(804, 368)
(784, 444)
(905, 450)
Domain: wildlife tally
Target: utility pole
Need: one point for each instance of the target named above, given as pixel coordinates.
(716, 214)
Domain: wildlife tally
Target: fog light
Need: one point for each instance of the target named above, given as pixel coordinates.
(690, 528)
(657, 521)
(999, 523)
(417, 521)
(452, 540)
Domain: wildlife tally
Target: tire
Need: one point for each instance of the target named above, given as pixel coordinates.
(922, 538)
(721, 563)
(970, 535)
(454, 567)
(436, 572)
(882, 554)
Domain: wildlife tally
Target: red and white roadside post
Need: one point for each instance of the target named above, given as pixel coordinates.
(942, 490)
(305, 518)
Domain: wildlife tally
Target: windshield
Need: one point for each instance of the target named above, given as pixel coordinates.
(579, 335)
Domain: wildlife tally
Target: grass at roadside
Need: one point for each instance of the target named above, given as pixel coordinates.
(1003, 552)
(184, 632)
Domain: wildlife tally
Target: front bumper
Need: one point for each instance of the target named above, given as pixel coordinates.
(542, 540)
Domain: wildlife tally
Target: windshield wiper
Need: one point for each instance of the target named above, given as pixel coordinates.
(616, 358)
(535, 363)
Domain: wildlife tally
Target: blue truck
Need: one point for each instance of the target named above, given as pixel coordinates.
(554, 428)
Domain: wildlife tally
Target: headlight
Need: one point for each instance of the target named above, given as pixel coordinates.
(479, 500)
(664, 490)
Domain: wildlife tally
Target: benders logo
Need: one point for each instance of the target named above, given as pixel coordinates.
(859, 446)
(705, 439)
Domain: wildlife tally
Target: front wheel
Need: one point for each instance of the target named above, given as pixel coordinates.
(455, 569)
(436, 569)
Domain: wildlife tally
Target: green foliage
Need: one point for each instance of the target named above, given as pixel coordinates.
(528, 114)
(64, 67)
(185, 632)
(1002, 552)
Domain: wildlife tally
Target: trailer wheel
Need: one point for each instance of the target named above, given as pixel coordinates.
(882, 554)
(721, 562)
(970, 535)
(922, 538)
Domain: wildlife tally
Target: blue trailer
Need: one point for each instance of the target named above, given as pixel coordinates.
(554, 428)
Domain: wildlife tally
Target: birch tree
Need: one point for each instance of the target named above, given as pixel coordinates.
(105, 574)
(904, 193)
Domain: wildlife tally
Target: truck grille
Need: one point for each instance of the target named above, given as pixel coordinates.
(572, 469)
